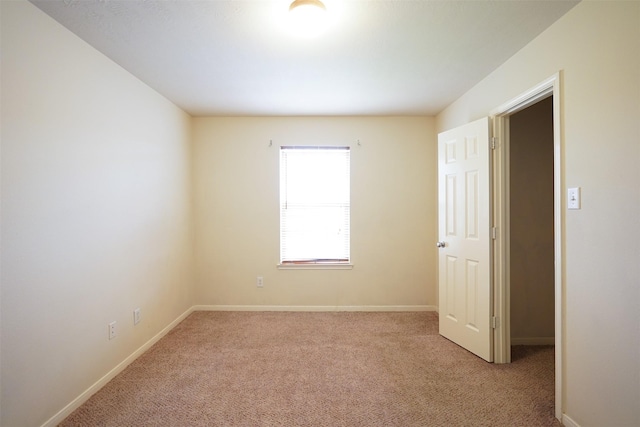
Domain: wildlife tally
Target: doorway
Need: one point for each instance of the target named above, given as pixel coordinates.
(549, 91)
(531, 250)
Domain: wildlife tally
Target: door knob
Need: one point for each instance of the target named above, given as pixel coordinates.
(441, 244)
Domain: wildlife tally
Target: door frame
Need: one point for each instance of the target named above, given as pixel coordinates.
(500, 216)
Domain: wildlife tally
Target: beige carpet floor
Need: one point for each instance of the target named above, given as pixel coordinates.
(321, 369)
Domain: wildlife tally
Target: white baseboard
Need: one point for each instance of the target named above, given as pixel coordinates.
(314, 308)
(533, 341)
(75, 404)
(568, 422)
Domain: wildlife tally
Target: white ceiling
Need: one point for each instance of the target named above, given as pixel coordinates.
(233, 57)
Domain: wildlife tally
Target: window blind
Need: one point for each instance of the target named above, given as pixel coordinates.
(314, 204)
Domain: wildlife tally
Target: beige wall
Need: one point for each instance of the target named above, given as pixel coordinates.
(596, 45)
(531, 224)
(393, 212)
(95, 214)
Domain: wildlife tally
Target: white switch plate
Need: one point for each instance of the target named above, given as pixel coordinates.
(136, 316)
(573, 198)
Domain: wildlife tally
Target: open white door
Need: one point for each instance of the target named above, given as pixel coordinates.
(464, 229)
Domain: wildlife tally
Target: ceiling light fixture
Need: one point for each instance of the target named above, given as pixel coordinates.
(316, 4)
(308, 17)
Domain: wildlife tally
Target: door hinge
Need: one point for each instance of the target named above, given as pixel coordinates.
(494, 142)
(494, 233)
(494, 322)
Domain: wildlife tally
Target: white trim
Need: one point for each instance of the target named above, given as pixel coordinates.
(75, 404)
(567, 421)
(316, 266)
(558, 190)
(314, 308)
(539, 92)
(549, 87)
(533, 341)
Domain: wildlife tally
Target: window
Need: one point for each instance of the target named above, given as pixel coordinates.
(314, 205)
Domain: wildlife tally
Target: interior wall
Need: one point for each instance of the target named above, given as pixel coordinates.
(532, 281)
(393, 212)
(96, 214)
(596, 45)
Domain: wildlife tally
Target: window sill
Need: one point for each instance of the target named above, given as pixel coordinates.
(317, 266)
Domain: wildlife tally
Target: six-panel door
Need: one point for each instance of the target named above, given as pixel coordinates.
(464, 260)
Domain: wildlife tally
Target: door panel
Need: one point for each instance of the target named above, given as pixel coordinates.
(464, 260)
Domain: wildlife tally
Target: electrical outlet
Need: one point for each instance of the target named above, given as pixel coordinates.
(259, 282)
(112, 330)
(136, 316)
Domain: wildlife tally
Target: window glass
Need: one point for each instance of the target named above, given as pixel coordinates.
(314, 204)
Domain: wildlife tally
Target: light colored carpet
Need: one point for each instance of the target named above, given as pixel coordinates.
(321, 369)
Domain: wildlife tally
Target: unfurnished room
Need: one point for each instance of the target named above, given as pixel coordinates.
(319, 213)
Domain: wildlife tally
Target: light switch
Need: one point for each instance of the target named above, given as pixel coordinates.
(573, 198)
